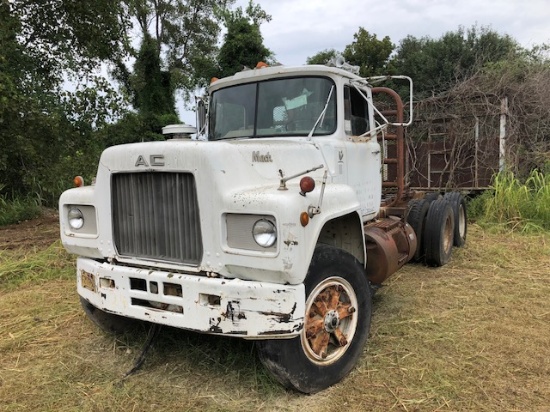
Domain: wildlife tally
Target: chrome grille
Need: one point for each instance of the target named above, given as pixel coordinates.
(156, 216)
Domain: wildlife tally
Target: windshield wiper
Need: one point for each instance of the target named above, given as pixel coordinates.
(322, 115)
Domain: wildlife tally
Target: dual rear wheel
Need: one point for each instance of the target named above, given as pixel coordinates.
(439, 223)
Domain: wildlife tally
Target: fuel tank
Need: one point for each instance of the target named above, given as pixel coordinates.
(390, 243)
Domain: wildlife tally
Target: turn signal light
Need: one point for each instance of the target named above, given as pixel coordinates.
(304, 219)
(78, 181)
(261, 65)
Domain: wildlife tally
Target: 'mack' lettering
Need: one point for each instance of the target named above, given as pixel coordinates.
(257, 157)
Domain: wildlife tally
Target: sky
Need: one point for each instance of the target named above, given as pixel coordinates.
(301, 28)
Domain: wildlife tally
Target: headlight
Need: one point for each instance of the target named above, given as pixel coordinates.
(264, 233)
(76, 218)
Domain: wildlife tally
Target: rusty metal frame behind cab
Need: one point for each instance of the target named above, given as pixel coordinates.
(394, 186)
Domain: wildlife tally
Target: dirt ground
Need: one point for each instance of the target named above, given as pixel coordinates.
(35, 233)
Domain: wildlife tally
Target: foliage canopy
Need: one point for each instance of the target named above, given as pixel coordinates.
(437, 64)
(243, 43)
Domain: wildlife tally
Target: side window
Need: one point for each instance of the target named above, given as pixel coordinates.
(356, 112)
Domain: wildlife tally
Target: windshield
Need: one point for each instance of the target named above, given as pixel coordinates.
(283, 107)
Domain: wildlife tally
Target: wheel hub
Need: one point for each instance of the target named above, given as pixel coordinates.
(332, 321)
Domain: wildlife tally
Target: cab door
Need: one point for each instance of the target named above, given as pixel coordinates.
(362, 151)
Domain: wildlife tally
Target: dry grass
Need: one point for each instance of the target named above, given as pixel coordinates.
(473, 335)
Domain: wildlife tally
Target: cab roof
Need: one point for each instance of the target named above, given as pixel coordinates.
(268, 72)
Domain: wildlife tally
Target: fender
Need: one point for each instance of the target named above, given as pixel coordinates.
(339, 202)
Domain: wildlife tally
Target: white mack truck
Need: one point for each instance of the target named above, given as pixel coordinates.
(276, 224)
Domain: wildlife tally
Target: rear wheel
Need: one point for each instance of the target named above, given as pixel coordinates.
(431, 196)
(336, 325)
(458, 204)
(109, 322)
(417, 209)
(439, 233)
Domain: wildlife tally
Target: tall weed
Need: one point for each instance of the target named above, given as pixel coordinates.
(516, 205)
(17, 210)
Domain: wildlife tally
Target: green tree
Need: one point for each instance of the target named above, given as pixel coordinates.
(436, 65)
(369, 53)
(185, 33)
(154, 93)
(40, 126)
(69, 35)
(366, 51)
(243, 42)
(323, 57)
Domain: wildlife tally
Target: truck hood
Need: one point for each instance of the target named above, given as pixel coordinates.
(235, 164)
(239, 179)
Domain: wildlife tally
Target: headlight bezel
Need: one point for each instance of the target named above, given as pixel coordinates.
(237, 234)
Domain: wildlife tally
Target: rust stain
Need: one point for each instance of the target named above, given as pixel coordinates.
(281, 317)
(88, 280)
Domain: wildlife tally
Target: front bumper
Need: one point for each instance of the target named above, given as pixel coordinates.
(251, 310)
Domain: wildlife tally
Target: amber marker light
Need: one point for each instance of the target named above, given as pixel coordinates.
(304, 219)
(214, 80)
(261, 65)
(307, 184)
(78, 181)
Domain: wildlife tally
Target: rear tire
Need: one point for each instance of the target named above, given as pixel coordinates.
(336, 325)
(109, 322)
(458, 204)
(439, 233)
(431, 196)
(417, 209)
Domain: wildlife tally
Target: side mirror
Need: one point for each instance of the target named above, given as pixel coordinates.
(201, 116)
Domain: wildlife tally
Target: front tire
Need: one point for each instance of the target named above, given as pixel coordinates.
(336, 325)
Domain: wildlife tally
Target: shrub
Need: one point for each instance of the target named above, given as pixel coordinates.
(17, 210)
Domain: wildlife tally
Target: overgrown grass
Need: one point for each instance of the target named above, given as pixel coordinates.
(515, 204)
(472, 335)
(13, 211)
(18, 268)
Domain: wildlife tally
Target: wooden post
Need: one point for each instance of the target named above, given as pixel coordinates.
(502, 151)
(476, 164)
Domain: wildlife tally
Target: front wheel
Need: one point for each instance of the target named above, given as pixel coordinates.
(336, 325)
